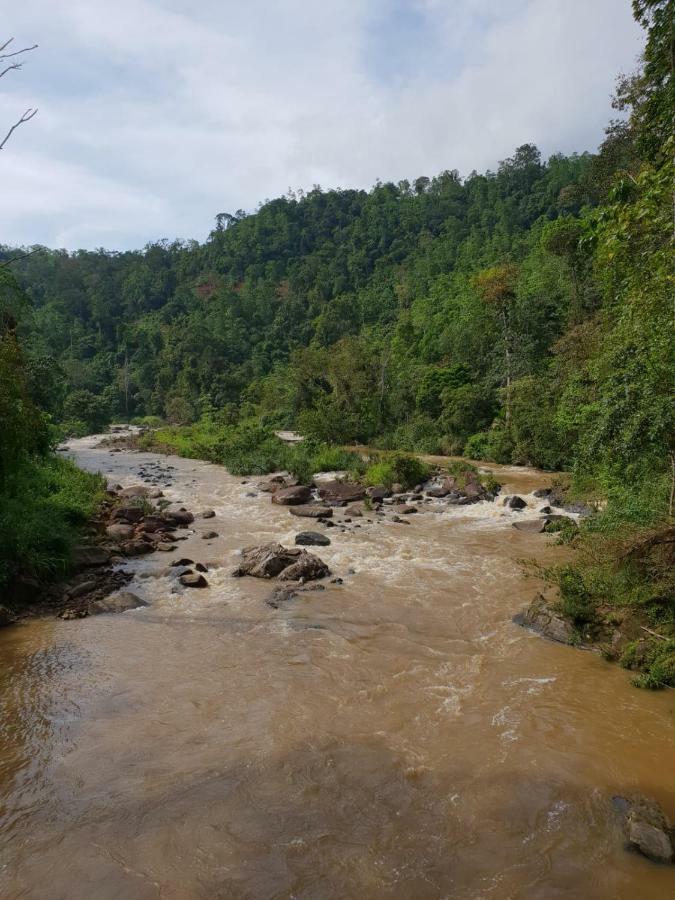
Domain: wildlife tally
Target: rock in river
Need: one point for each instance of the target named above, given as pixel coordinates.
(193, 580)
(312, 512)
(647, 829)
(292, 496)
(312, 539)
(116, 603)
(545, 621)
(274, 560)
(341, 491)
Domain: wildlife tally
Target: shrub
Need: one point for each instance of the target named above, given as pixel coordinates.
(397, 469)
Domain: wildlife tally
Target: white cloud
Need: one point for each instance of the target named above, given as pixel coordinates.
(157, 114)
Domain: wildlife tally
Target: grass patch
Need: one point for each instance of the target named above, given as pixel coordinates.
(42, 512)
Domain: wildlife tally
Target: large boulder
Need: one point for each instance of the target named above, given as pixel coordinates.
(292, 496)
(83, 557)
(647, 829)
(534, 526)
(515, 502)
(307, 568)
(473, 489)
(540, 617)
(311, 512)
(312, 539)
(116, 603)
(274, 560)
(127, 514)
(441, 487)
(120, 531)
(155, 523)
(136, 490)
(378, 493)
(179, 517)
(341, 491)
(136, 548)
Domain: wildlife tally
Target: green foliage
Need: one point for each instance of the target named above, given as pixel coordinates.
(656, 660)
(577, 597)
(84, 406)
(398, 468)
(41, 516)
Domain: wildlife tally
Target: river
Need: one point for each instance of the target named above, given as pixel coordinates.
(393, 737)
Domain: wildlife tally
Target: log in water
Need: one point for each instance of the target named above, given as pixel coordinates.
(392, 737)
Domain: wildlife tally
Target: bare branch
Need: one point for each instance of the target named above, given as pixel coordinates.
(26, 117)
(9, 68)
(14, 259)
(16, 52)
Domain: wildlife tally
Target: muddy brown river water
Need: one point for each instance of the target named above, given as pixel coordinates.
(393, 737)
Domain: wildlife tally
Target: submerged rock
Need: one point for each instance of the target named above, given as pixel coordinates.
(116, 603)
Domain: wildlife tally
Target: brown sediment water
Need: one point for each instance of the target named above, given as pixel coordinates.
(393, 737)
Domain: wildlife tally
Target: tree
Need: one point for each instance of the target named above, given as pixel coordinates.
(497, 289)
(13, 66)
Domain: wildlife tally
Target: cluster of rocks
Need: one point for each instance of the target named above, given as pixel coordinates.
(355, 501)
(297, 568)
(137, 528)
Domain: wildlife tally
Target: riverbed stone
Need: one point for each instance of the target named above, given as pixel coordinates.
(515, 502)
(179, 517)
(540, 617)
(135, 490)
(209, 535)
(534, 526)
(116, 603)
(127, 513)
(312, 539)
(311, 512)
(341, 492)
(136, 548)
(120, 531)
(646, 827)
(193, 580)
(208, 514)
(84, 557)
(292, 496)
(274, 560)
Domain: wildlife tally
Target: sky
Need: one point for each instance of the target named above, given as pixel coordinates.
(155, 115)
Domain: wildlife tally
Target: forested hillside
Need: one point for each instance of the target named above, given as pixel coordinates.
(353, 315)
